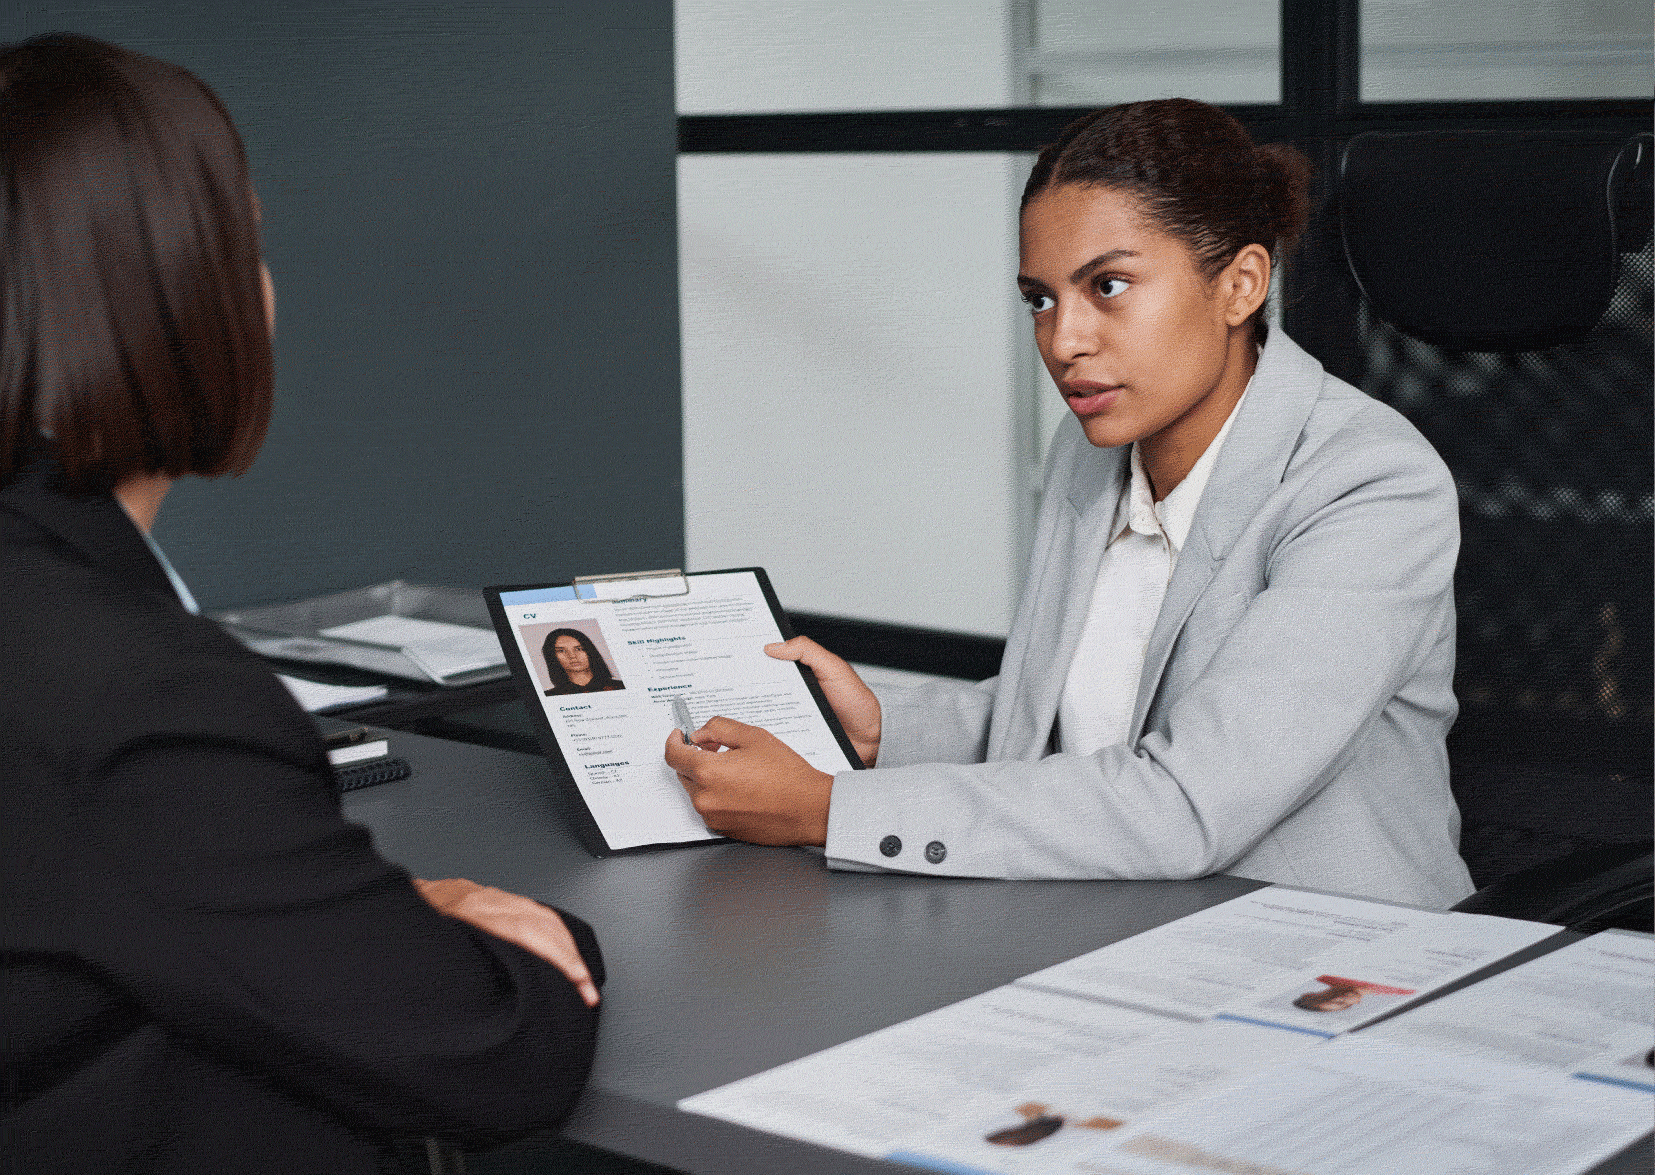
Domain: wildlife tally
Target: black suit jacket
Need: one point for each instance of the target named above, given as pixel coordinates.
(203, 966)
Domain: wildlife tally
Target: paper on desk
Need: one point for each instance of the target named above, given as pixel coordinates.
(1355, 1107)
(706, 648)
(315, 696)
(1055, 1116)
(359, 752)
(1231, 953)
(1634, 1069)
(1053, 1120)
(1354, 985)
(865, 1095)
(1585, 1007)
(443, 650)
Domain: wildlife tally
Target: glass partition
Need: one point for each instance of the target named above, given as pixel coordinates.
(798, 56)
(1423, 50)
(1082, 53)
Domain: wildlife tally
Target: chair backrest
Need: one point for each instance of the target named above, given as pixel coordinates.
(1507, 312)
(1588, 891)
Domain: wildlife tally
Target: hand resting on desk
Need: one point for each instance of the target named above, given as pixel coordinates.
(524, 921)
(746, 783)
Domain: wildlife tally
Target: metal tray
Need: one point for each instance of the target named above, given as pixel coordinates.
(294, 631)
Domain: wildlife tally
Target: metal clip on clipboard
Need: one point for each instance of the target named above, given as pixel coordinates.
(632, 585)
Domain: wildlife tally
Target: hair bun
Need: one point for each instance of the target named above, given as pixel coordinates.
(1287, 175)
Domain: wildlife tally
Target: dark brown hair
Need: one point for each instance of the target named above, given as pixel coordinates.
(133, 336)
(1194, 171)
(602, 678)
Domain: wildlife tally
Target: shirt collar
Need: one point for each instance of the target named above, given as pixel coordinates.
(185, 596)
(1172, 515)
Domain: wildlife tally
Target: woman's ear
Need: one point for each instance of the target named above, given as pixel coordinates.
(1244, 283)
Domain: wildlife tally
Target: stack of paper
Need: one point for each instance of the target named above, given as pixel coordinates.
(1218, 1043)
(442, 650)
(316, 696)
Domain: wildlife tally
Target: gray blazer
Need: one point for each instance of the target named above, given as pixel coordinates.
(1295, 694)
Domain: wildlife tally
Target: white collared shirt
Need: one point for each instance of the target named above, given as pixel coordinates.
(185, 596)
(1101, 689)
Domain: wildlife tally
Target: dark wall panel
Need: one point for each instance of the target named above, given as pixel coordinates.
(470, 216)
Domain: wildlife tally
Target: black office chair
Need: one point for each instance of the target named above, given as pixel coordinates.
(1588, 890)
(1507, 312)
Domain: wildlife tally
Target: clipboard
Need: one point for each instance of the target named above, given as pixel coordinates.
(624, 656)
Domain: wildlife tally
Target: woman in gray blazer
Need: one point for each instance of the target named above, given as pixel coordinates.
(1235, 648)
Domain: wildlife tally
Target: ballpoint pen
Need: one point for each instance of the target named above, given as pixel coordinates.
(681, 718)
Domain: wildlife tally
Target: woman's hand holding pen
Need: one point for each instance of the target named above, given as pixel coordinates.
(852, 701)
(758, 789)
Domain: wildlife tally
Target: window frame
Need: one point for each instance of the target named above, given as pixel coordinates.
(1320, 109)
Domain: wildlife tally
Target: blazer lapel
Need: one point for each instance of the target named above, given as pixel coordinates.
(1068, 570)
(1250, 467)
(1197, 563)
(1095, 498)
(1099, 475)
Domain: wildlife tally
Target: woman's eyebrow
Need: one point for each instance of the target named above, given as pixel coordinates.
(1099, 261)
(1083, 272)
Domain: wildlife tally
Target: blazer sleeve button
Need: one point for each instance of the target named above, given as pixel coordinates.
(935, 852)
(891, 846)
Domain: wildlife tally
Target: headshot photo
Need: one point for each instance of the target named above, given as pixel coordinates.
(1041, 1122)
(572, 658)
(1340, 995)
(1332, 998)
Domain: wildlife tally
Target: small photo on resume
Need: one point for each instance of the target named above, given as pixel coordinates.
(571, 657)
(1340, 999)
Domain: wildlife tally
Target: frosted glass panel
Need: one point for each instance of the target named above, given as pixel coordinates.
(855, 392)
(1083, 53)
(768, 56)
(1425, 50)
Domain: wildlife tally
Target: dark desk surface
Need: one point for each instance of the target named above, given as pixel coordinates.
(728, 959)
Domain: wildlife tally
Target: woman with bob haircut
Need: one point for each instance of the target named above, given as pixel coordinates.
(575, 665)
(1234, 651)
(206, 968)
